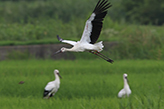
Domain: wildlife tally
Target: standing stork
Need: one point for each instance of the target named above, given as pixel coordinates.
(53, 86)
(126, 90)
(91, 33)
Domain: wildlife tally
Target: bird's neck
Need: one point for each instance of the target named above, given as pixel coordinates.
(57, 78)
(68, 49)
(125, 83)
(73, 49)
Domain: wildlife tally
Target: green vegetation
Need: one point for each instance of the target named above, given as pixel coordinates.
(39, 21)
(85, 84)
(136, 11)
(88, 82)
(144, 11)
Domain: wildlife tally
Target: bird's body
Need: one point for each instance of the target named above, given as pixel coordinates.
(81, 47)
(126, 90)
(91, 33)
(53, 86)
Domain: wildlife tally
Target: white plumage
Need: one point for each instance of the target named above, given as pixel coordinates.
(53, 86)
(91, 33)
(126, 90)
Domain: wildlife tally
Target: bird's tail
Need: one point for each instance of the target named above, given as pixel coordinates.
(99, 45)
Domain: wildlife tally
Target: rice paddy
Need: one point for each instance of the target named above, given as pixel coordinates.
(85, 84)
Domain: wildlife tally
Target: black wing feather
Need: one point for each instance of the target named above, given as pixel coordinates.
(46, 92)
(100, 11)
(100, 5)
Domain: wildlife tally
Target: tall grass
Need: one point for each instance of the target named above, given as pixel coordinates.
(84, 84)
(38, 22)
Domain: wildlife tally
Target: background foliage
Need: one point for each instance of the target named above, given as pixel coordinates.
(145, 11)
(131, 11)
(132, 25)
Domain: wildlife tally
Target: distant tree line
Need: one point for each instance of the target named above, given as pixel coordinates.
(130, 11)
(144, 11)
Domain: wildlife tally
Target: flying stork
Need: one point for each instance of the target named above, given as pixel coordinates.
(126, 90)
(53, 86)
(91, 33)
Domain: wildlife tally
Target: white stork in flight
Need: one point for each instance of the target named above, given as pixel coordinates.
(91, 33)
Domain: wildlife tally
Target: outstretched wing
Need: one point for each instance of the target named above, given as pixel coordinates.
(94, 24)
(66, 41)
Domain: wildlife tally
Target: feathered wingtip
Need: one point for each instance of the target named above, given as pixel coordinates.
(60, 39)
(102, 6)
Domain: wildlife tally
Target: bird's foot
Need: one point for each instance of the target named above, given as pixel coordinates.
(110, 60)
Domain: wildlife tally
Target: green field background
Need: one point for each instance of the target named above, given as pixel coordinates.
(134, 29)
(85, 84)
(32, 22)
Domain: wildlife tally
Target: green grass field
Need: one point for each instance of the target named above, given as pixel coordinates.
(85, 84)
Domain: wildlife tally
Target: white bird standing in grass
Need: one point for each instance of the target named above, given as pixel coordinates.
(91, 33)
(53, 86)
(126, 90)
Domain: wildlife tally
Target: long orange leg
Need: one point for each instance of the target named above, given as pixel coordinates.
(102, 56)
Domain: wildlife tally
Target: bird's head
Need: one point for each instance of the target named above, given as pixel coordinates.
(57, 72)
(63, 49)
(125, 76)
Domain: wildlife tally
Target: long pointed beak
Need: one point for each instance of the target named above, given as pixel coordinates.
(127, 79)
(59, 75)
(59, 51)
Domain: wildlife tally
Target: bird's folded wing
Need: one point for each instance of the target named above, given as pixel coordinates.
(49, 86)
(121, 93)
(46, 92)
